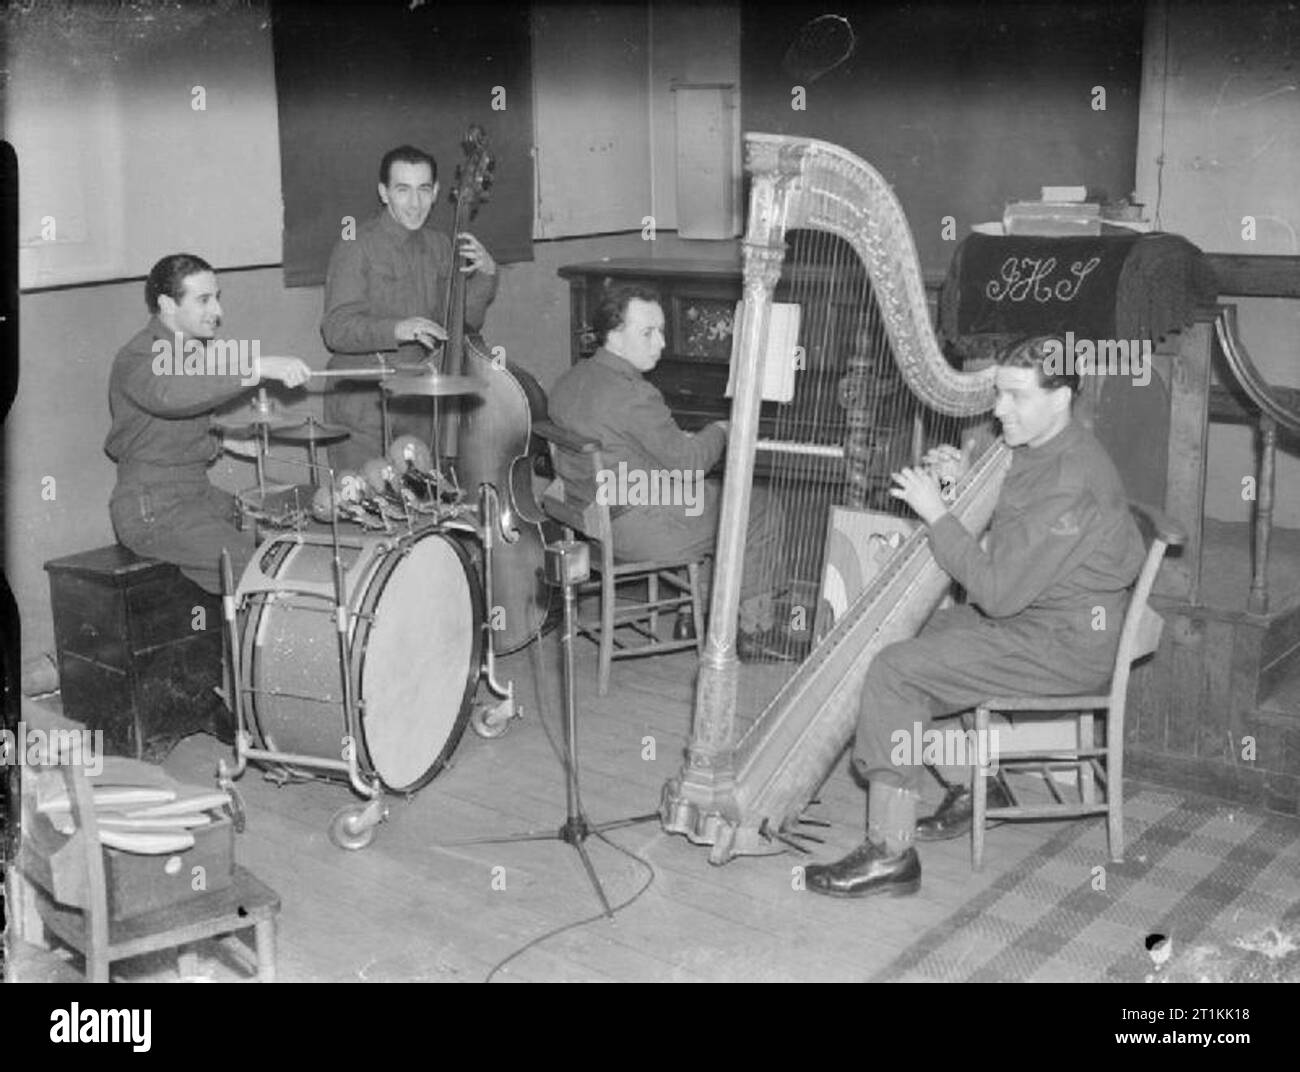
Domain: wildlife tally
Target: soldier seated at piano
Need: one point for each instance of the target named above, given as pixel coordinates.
(1062, 544)
(608, 398)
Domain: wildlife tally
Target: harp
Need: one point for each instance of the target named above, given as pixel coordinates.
(825, 233)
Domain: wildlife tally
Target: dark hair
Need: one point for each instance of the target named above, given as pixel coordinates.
(612, 310)
(168, 277)
(406, 154)
(1033, 351)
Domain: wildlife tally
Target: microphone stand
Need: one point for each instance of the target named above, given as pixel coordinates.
(568, 564)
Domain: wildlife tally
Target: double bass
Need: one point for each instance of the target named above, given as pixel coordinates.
(488, 438)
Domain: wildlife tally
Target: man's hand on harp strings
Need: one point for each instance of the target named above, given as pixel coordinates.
(947, 462)
(920, 490)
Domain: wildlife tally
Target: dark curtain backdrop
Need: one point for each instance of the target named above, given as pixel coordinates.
(961, 107)
(355, 80)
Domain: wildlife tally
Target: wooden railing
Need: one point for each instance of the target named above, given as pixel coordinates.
(1259, 402)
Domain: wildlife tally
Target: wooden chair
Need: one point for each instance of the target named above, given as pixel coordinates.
(63, 886)
(1139, 636)
(573, 503)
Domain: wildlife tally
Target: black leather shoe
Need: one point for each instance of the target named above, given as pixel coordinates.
(956, 813)
(867, 870)
(684, 626)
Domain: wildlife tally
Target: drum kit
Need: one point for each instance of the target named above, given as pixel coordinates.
(359, 632)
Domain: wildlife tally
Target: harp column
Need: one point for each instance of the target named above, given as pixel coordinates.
(700, 801)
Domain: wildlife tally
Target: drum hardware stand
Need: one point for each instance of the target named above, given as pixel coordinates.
(567, 565)
(262, 407)
(492, 720)
(385, 433)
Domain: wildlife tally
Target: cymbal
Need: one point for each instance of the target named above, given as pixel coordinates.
(433, 385)
(310, 431)
(238, 426)
(249, 419)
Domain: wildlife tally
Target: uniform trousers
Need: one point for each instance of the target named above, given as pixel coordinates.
(187, 521)
(667, 532)
(959, 660)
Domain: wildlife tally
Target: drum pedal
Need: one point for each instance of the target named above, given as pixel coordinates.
(282, 776)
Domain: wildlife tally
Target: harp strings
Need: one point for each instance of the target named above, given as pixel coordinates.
(806, 485)
(848, 392)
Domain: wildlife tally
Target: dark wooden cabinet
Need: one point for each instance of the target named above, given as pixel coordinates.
(139, 649)
(699, 302)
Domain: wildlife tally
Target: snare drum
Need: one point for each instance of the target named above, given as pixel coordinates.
(414, 641)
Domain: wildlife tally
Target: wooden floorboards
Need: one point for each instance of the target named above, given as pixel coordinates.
(416, 905)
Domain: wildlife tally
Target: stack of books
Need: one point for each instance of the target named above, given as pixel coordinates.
(1063, 210)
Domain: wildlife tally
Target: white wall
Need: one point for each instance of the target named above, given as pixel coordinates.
(591, 109)
(603, 107)
(1221, 106)
(131, 134)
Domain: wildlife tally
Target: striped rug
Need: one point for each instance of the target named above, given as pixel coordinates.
(1222, 884)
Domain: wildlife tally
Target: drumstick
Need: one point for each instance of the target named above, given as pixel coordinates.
(355, 373)
(378, 373)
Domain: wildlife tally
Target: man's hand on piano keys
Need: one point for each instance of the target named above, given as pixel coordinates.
(920, 490)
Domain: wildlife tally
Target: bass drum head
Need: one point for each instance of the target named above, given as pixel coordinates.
(419, 661)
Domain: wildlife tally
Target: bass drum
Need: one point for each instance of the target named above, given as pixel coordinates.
(414, 644)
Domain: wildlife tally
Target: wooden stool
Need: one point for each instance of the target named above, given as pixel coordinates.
(131, 662)
(63, 890)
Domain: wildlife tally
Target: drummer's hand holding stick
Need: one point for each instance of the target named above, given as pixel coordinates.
(290, 371)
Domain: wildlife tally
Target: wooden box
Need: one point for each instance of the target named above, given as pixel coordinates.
(138, 884)
(139, 650)
(134, 884)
